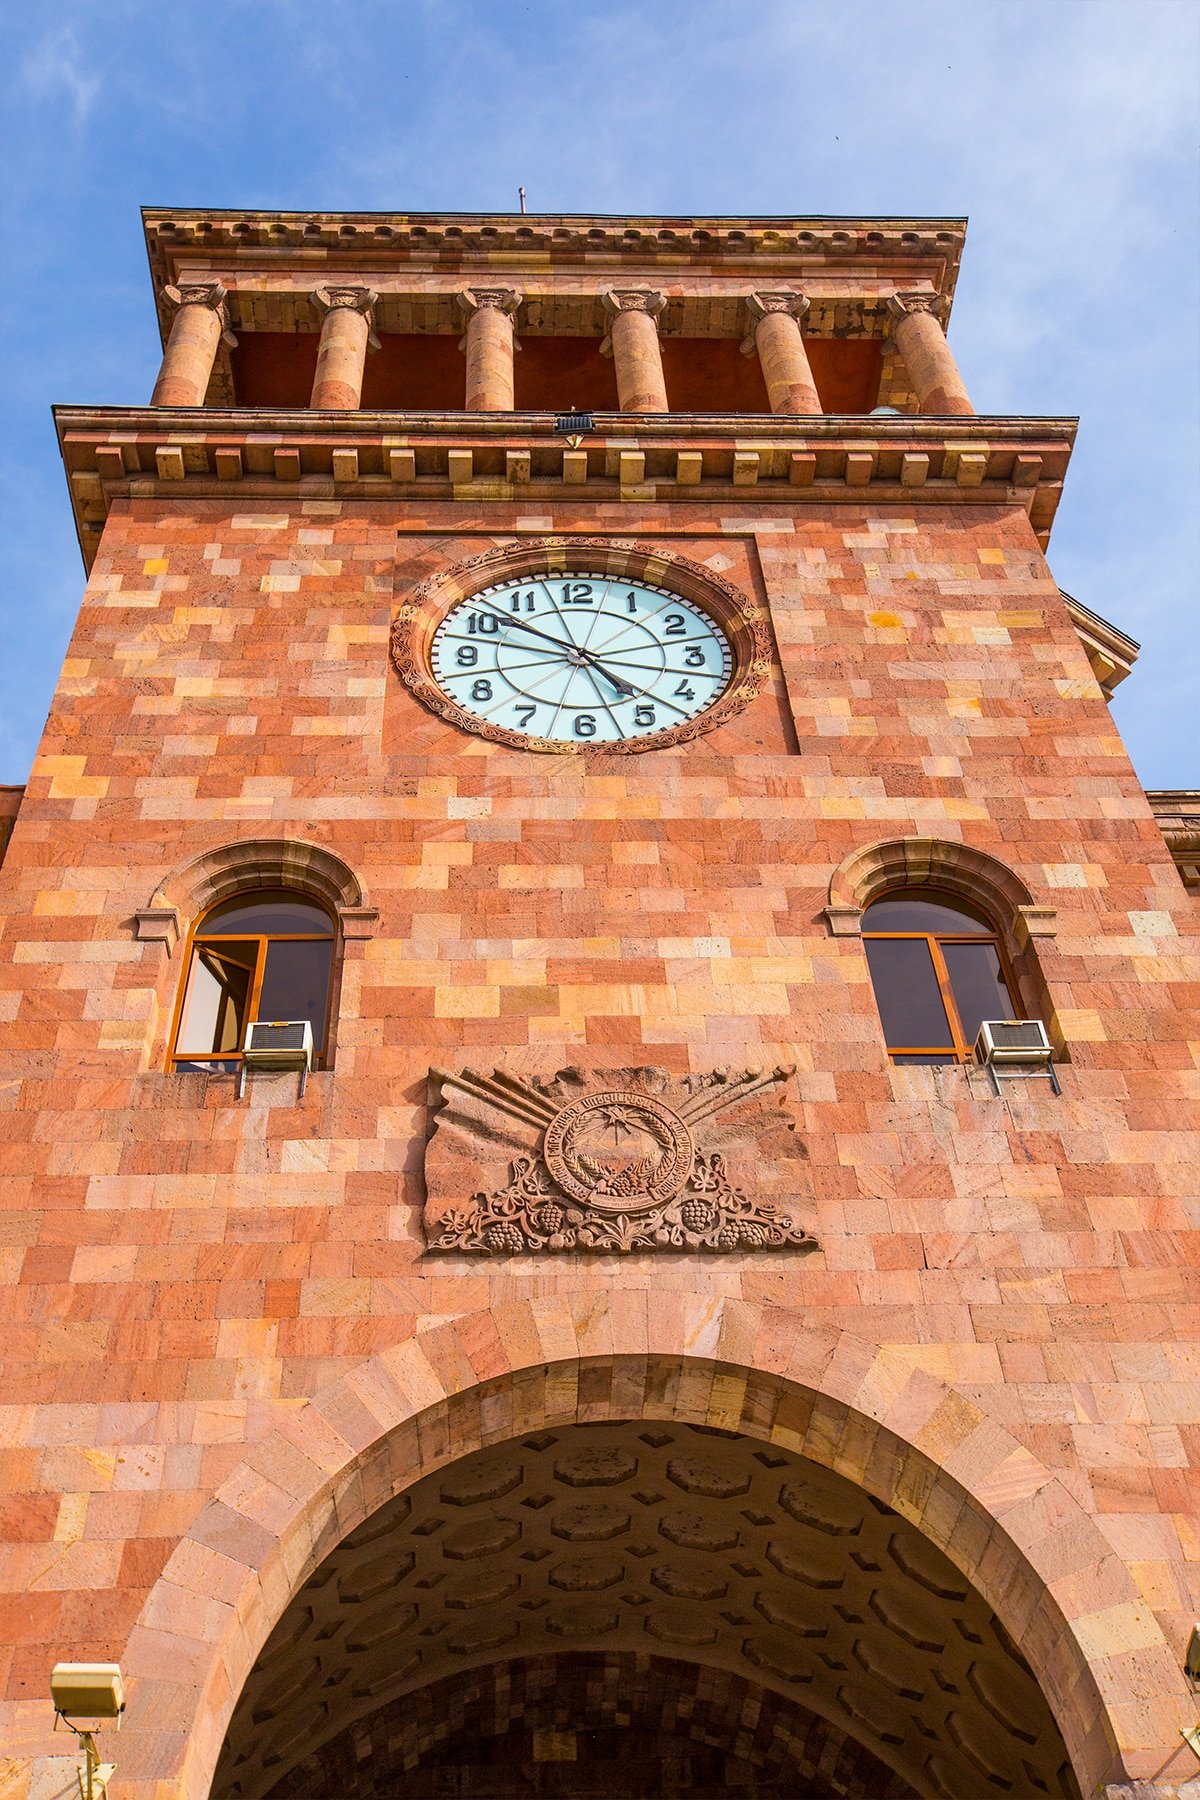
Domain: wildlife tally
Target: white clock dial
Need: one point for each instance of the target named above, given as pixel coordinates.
(580, 658)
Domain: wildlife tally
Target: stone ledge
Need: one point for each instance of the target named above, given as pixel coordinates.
(474, 457)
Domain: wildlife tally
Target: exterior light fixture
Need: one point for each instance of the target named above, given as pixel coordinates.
(88, 1691)
(573, 424)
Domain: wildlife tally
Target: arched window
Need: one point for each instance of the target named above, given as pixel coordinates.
(938, 970)
(266, 954)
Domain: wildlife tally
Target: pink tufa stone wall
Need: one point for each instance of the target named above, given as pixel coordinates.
(182, 1272)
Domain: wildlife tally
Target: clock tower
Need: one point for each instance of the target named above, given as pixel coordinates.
(595, 1193)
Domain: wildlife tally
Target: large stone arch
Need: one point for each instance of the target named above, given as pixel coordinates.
(905, 1437)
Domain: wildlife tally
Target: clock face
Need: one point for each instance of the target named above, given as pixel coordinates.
(580, 658)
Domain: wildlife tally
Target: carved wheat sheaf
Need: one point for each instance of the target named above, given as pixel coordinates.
(613, 1167)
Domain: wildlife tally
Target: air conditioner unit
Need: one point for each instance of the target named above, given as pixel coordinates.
(1013, 1043)
(279, 1044)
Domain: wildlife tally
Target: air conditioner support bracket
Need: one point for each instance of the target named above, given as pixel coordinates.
(243, 1072)
(1043, 1074)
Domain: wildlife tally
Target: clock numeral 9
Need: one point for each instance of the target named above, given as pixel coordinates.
(585, 724)
(644, 715)
(466, 656)
(481, 690)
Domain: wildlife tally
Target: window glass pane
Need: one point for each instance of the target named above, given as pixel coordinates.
(907, 993)
(979, 989)
(296, 985)
(214, 1009)
(930, 1058)
(919, 910)
(268, 912)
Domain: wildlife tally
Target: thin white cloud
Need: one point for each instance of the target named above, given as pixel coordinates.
(55, 66)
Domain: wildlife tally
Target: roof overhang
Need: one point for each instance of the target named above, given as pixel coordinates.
(841, 261)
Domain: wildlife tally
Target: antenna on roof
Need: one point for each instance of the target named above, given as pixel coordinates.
(521, 192)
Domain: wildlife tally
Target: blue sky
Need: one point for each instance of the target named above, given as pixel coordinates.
(1065, 129)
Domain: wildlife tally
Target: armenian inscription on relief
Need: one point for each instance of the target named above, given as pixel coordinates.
(612, 1159)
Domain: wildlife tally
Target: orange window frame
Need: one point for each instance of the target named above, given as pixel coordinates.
(199, 939)
(961, 1051)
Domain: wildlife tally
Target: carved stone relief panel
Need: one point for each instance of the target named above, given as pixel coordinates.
(613, 1159)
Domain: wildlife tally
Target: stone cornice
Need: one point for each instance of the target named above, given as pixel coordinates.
(142, 451)
(765, 252)
(1177, 811)
(1111, 652)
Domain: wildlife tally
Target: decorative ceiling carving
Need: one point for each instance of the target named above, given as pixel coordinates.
(599, 1723)
(662, 1541)
(612, 1159)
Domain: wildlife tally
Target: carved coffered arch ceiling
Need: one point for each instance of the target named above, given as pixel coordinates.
(651, 1539)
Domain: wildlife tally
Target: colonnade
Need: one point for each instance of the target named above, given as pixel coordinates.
(202, 322)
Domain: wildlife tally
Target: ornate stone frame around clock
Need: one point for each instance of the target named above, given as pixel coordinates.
(742, 620)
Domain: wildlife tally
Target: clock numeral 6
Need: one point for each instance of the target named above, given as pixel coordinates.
(481, 690)
(585, 724)
(644, 715)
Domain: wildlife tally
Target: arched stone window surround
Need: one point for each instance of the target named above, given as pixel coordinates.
(228, 869)
(1007, 1522)
(965, 873)
(972, 875)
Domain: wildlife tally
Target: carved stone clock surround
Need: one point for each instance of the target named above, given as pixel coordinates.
(741, 619)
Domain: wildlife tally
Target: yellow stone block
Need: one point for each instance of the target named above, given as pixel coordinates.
(466, 1003)
(157, 565)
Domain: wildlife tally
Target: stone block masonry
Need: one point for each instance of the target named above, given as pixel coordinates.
(184, 1274)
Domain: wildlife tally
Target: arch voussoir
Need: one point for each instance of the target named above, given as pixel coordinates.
(866, 1413)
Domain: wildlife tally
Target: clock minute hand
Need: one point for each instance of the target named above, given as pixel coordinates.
(586, 659)
(559, 643)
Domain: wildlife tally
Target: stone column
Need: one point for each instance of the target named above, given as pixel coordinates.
(491, 345)
(199, 326)
(633, 344)
(346, 336)
(775, 334)
(927, 356)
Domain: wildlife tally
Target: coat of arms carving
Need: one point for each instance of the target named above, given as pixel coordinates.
(604, 1160)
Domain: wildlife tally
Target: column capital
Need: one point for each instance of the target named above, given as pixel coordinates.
(213, 295)
(763, 303)
(905, 302)
(776, 300)
(641, 300)
(347, 296)
(501, 299)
